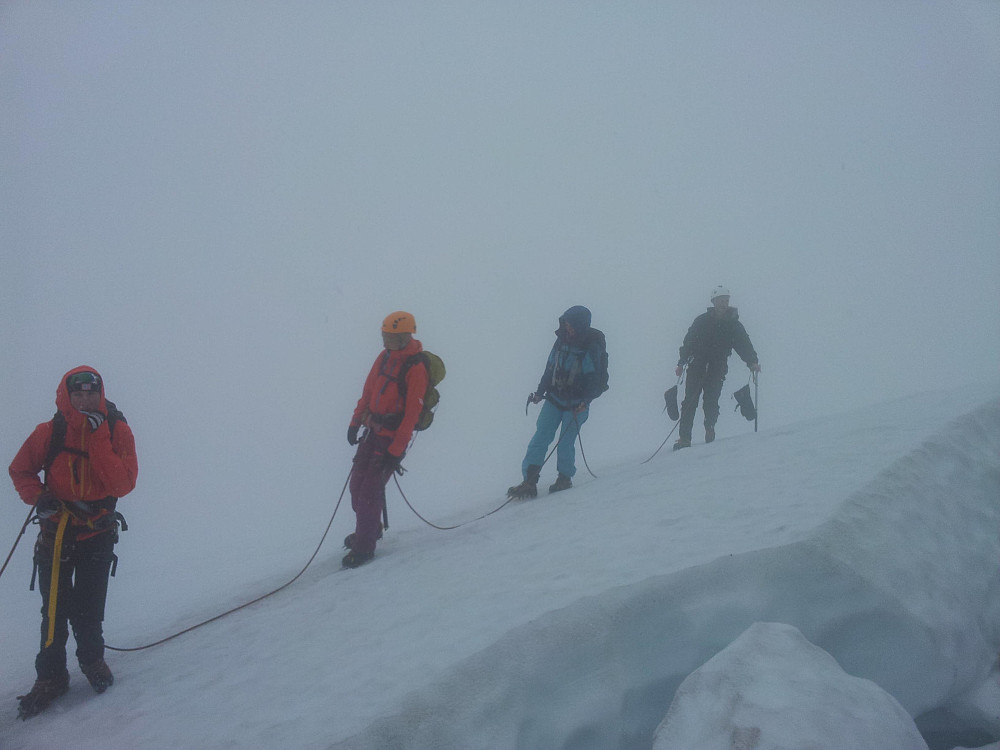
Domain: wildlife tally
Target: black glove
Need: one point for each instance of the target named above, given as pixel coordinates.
(46, 506)
(352, 434)
(744, 403)
(95, 418)
(393, 463)
(537, 397)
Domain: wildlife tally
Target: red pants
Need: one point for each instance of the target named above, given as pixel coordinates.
(368, 480)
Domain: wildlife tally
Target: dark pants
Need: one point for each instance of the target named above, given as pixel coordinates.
(368, 480)
(704, 376)
(80, 599)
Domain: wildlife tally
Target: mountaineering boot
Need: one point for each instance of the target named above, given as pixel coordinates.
(353, 559)
(709, 433)
(682, 443)
(527, 488)
(349, 539)
(98, 674)
(523, 491)
(562, 482)
(42, 693)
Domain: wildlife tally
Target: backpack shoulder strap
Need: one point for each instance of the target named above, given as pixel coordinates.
(404, 370)
(114, 416)
(56, 440)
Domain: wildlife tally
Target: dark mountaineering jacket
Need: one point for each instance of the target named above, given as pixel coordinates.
(713, 338)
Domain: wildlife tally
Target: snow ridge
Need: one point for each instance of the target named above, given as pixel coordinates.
(922, 621)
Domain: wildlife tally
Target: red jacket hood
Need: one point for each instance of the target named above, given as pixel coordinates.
(62, 392)
(413, 347)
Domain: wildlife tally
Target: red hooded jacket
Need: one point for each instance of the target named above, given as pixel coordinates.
(108, 467)
(381, 401)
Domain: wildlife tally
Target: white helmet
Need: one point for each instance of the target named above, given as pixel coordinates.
(719, 291)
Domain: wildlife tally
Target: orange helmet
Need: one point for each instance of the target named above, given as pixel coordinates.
(399, 322)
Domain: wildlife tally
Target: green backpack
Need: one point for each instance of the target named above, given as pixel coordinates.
(435, 374)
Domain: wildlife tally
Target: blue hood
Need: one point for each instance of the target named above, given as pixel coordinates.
(577, 316)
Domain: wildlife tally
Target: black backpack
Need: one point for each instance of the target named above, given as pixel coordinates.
(598, 348)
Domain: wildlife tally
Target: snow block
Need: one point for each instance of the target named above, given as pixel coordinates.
(771, 689)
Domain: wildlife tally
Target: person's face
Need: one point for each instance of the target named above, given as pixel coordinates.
(85, 400)
(721, 303)
(395, 341)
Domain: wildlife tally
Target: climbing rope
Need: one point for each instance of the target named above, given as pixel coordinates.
(254, 601)
(582, 454)
(445, 528)
(663, 443)
(502, 505)
(24, 526)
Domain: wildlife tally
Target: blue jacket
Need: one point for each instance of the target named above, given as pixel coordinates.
(571, 372)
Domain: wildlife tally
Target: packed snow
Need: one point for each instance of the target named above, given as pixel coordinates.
(570, 621)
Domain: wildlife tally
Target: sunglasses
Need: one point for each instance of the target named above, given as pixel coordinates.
(83, 381)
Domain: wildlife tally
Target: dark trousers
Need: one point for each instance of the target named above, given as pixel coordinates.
(368, 480)
(82, 593)
(704, 378)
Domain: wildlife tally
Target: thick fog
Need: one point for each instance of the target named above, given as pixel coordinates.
(215, 205)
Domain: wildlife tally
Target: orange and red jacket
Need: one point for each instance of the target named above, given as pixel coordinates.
(381, 401)
(106, 468)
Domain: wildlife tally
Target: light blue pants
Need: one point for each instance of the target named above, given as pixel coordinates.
(550, 418)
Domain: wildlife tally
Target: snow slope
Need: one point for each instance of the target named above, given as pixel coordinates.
(569, 622)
